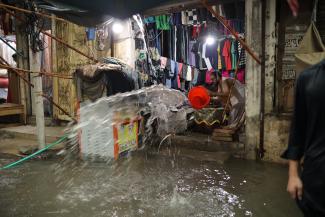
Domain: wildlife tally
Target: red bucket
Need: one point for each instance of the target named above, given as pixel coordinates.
(199, 97)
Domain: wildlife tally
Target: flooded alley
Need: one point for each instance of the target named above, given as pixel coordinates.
(145, 185)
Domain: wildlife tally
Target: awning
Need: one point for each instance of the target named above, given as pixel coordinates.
(91, 13)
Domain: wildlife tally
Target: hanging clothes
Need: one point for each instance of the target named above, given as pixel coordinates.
(149, 20)
(242, 56)
(162, 22)
(234, 51)
(208, 76)
(195, 76)
(179, 73)
(205, 58)
(212, 54)
(226, 54)
(163, 62)
(191, 55)
(184, 72)
(196, 30)
(219, 56)
(176, 19)
(189, 73)
(202, 14)
(169, 75)
(241, 75)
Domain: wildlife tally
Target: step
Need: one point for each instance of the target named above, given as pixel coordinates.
(30, 132)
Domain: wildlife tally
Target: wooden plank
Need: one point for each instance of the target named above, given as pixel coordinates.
(222, 134)
(229, 131)
(226, 139)
(11, 109)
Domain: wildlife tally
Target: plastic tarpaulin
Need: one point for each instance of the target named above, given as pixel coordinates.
(311, 50)
(91, 13)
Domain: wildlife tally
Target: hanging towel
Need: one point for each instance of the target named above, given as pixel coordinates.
(184, 18)
(189, 73)
(163, 62)
(195, 77)
(219, 57)
(233, 55)
(206, 60)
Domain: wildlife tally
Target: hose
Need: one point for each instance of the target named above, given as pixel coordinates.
(8, 166)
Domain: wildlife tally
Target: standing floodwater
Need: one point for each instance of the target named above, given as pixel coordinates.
(146, 185)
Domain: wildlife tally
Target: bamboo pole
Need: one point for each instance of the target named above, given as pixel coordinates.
(28, 71)
(230, 91)
(30, 84)
(59, 107)
(69, 46)
(31, 12)
(3, 61)
(233, 32)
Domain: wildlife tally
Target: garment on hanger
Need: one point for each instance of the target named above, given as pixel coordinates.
(176, 19)
(189, 73)
(191, 55)
(226, 54)
(162, 22)
(234, 51)
(219, 56)
(195, 76)
(206, 60)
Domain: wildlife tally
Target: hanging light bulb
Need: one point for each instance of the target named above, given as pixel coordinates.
(210, 40)
(117, 27)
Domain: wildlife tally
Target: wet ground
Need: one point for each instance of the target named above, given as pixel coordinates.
(146, 185)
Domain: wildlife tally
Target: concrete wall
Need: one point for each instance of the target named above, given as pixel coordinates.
(253, 72)
(276, 127)
(276, 137)
(124, 44)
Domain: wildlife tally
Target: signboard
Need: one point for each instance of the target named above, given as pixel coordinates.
(125, 137)
(293, 36)
(288, 71)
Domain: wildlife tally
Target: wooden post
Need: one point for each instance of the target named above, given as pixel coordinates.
(23, 62)
(35, 60)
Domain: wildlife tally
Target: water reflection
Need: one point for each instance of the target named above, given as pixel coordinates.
(145, 185)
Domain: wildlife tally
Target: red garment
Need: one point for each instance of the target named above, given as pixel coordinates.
(180, 68)
(226, 54)
(241, 75)
(208, 76)
(196, 31)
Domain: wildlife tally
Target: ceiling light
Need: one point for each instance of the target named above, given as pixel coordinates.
(117, 27)
(210, 40)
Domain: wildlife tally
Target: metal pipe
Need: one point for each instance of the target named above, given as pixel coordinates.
(261, 150)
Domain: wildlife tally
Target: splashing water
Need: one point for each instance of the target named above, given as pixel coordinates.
(161, 108)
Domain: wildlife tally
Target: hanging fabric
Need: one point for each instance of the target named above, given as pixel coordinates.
(311, 50)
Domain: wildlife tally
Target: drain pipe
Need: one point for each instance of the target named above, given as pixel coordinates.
(261, 149)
